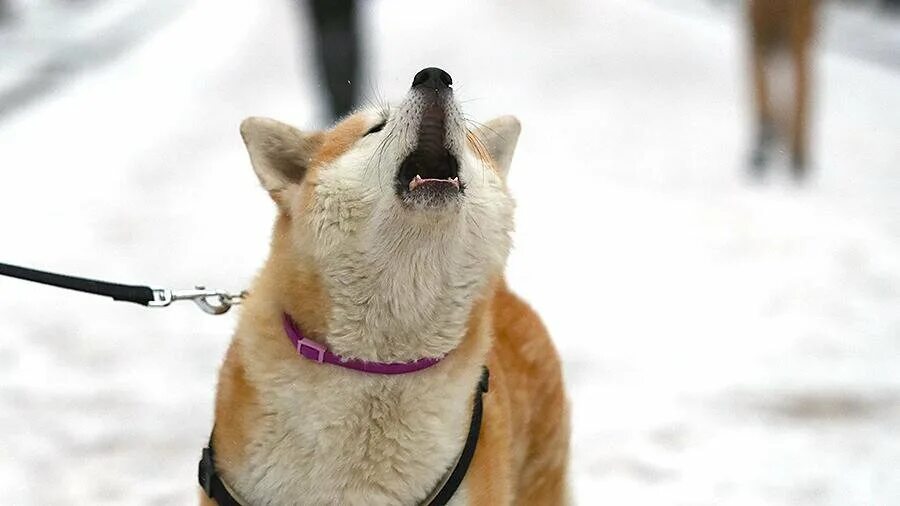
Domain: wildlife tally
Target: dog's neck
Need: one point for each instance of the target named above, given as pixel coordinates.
(389, 419)
(392, 298)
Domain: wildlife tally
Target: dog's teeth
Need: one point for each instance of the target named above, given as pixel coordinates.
(416, 181)
(455, 181)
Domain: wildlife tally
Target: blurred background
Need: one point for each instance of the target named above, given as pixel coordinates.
(708, 222)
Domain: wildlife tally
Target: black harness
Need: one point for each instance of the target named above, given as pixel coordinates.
(215, 489)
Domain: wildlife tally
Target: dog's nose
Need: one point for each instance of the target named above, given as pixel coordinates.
(432, 78)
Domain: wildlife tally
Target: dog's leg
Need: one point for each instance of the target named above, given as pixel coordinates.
(802, 27)
(763, 38)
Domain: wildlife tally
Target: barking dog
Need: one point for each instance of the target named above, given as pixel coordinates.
(352, 377)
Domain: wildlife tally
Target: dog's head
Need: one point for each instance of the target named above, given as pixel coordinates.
(402, 213)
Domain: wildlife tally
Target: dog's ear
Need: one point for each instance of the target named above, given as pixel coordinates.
(498, 136)
(280, 153)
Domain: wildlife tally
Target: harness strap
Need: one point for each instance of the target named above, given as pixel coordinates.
(468, 452)
(129, 293)
(215, 488)
(210, 482)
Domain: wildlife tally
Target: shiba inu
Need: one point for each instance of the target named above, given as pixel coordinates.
(781, 36)
(356, 372)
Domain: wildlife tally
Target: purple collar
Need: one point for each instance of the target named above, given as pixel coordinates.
(317, 352)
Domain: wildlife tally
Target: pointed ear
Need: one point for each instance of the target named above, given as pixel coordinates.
(280, 153)
(499, 137)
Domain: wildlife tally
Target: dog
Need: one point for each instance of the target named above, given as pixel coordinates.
(380, 345)
(781, 36)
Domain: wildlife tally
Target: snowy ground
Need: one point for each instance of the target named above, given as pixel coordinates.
(725, 342)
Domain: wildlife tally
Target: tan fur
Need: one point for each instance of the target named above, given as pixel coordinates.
(339, 139)
(290, 431)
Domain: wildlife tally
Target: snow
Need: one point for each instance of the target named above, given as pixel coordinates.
(725, 342)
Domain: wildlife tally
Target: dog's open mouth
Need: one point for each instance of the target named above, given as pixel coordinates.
(426, 174)
(430, 174)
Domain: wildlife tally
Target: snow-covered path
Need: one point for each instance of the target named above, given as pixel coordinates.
(725, 343)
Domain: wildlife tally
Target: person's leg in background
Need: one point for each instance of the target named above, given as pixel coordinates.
(337, 51)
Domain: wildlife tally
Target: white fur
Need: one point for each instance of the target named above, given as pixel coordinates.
(339, 437)
(402, 282)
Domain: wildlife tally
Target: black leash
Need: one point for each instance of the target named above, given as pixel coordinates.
(215, 488)
(142, 295)
(211, 301)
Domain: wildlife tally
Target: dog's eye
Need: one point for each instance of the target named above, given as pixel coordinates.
(377, 128)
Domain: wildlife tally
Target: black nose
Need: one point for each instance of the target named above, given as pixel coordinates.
(432, 78)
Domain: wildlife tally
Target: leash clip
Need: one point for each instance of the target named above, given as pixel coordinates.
(210, 301)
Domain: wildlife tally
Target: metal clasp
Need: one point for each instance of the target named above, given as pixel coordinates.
(210, 301)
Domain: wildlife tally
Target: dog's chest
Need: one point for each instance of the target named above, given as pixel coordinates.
(371, 441)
